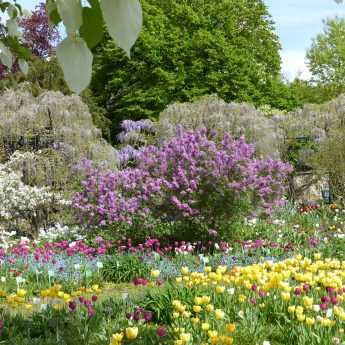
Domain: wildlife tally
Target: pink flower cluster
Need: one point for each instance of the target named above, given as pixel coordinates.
(47, 252)
(196, 175)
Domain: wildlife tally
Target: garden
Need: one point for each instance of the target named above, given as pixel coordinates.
(170, 198)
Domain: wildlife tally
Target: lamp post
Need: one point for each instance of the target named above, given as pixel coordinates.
(327, 195)
(326, 192)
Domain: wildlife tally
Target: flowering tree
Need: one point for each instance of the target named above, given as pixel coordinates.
(38, 35)
(196, 176)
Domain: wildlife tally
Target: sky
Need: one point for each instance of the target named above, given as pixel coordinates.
(297, 22)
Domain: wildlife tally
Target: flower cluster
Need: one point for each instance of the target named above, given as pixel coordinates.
(54, 296)
(132, 131)
(309, 293)
(195, 175)
(20, 201)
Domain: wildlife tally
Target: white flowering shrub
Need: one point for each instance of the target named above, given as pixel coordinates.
(22, 206)
(57, 128)
(213, 113)
(323, 126)
(58, 231)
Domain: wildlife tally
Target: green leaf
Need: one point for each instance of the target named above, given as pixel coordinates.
(17, 48)
(6, 56)
(12, 11)
(12, 27)
(92, 28)
(75, 59)
(23, 65)
(4, 5)
(71, 14)
(53, 14)
(124, 20)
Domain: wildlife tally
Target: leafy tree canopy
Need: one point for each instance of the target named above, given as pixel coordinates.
(326, 57)
(189, 49)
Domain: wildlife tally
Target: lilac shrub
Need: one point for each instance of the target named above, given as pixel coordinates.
(198, 176)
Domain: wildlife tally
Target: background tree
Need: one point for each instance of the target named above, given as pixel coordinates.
(326, 57)
(189, 49)
(309, 92)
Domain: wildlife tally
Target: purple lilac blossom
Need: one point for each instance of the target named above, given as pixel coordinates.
(190, 176)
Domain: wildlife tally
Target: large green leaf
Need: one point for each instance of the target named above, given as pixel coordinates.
(71, 14)
(6, 56)
(53, 13)
(124, 20)
(92, 28)
(75, 59)
(23, 65)
(12, 27)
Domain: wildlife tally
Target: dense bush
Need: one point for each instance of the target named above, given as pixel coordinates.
(329, 158)
(214, 114)
(46, 75)
(24, 207)
(198, 176)
(58, 128)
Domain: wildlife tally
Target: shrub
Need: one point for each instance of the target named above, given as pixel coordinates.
(58, 128)
(22, 204)
(320, 129)
(213, 113)
(197, 176)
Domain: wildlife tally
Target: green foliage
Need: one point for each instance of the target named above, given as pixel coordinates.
(326, 57)
(307, 92)
(84, 26)
(92, 28)
(159, 301)
(124, 268)
(187, 50)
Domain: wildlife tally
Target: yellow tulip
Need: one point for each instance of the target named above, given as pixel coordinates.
(185, 270)
(131, 333)
(220, 289)
(185, 337)
(219, 314)
(155, 273)
(205, 326)
(310, 321)
(197, 308)
(231, 327)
